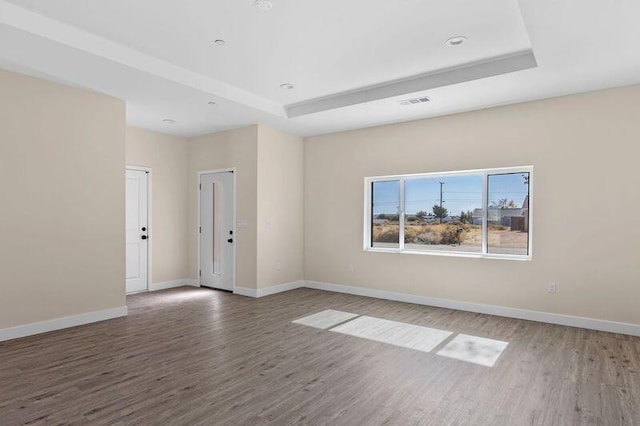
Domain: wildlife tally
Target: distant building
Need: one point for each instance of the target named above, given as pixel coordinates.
(498, 216)
(476, 218)
(515, 218)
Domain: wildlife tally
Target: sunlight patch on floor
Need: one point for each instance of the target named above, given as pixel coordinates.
(477, 350)
(325, 319)
(395, 333)
(462, 347)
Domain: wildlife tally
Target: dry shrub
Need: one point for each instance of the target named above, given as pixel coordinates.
(452, 235)
(440, 234)
(412, 232)
(390, 236)
(427, 238)
(386, 233)
(498, 228)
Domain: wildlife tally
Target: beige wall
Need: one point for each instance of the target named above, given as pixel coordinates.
(234, 148)
(167, 156)
(62, 160)
(585, 151)
(280, 208)
(269, 188)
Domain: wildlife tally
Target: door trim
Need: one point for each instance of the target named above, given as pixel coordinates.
(149, 223)
(234, 171)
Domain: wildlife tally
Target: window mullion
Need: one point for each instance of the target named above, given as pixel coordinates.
(485, 213)
(401, 215)
(370, 215)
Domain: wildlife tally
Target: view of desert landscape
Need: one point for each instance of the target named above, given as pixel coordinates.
(454, 236)
(447, 213)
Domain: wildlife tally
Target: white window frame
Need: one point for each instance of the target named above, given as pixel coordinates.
(485, 173)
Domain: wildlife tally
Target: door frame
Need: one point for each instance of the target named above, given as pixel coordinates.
(234, 172)
(149, 224)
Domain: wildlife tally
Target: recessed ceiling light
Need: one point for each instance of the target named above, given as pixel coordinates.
(263, 4)
(286, 86)
(168, 121)
(456, 41)
(219, 42)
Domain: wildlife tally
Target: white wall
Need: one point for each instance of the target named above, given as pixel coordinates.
(234, 148)
(280, 208)
(270, 184)
(62, 161)
(168, 158)
(585, 152)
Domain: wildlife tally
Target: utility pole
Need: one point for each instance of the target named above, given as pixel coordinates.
(441, 183)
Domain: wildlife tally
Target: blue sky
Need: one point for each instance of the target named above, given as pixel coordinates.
(460, 193)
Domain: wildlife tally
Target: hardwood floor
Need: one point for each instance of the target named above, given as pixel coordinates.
(195, 356)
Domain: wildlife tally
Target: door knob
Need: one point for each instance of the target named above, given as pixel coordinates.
(230, 240)
(144, 237)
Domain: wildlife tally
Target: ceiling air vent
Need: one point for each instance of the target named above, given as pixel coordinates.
(414, 101)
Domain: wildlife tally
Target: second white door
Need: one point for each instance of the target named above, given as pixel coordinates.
(216, 230)
(137, 243)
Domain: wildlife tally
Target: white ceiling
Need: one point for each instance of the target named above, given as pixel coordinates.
(159, 56)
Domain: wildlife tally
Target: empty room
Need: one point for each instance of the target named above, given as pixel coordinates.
(246, 212)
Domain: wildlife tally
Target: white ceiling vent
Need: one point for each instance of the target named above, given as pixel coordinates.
(414, 101)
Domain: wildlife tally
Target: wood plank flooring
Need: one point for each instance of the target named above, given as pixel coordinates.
(194, 356)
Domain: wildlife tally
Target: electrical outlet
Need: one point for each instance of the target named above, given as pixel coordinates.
(351, 267)
(279, 266)
(551, 288)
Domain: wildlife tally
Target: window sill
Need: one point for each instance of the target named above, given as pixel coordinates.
(519, 258)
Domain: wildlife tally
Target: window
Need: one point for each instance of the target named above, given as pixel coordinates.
(508, 213)
(478, 213)
(385, 204)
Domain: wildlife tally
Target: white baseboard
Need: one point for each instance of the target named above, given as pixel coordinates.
(244, 291)
(267, 291)
(546, 317)
(172, 284)
(60, 323)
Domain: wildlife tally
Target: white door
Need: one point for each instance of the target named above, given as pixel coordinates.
(137, 229)
(216, 230)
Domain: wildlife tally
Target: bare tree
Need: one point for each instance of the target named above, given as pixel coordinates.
(504, 203)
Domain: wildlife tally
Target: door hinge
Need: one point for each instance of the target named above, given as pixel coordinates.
(200, 272)
(200, 229)
(200, 186)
